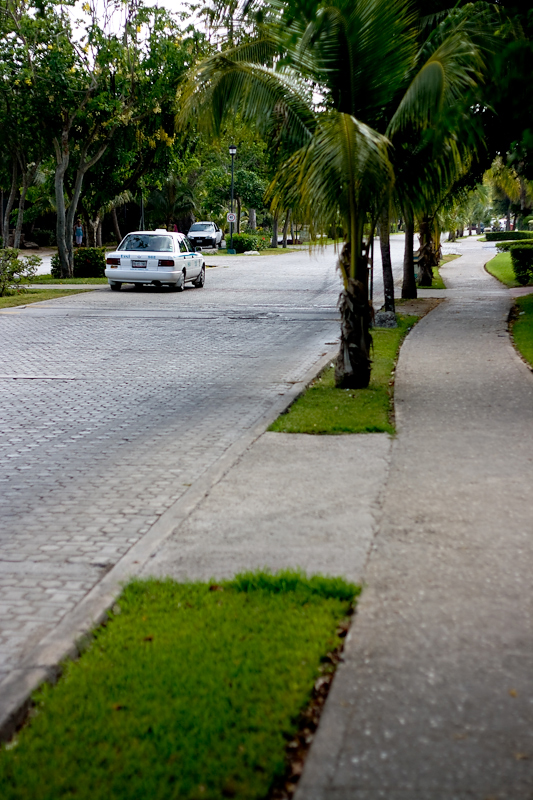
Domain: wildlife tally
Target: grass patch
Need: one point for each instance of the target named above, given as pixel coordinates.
(36, 296)
(501, 267)
(522, 328)
(437, 282)
(325, 409)
(48, 279)
(189, 692)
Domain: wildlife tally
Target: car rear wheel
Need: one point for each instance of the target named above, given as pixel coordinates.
(115, 287)
(200, 280)
(180, 285)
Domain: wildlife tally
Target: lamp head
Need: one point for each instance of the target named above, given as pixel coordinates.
(232, 150)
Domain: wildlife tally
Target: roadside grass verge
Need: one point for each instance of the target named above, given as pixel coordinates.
(48, 279)
(438, 283)
(324, 409)
(36, 296)
(522, 328)
(191, 691)
(501, 267)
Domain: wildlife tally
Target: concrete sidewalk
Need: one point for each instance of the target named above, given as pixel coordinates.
(434, 700)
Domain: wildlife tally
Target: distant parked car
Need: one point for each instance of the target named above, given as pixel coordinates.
(158, 257)
(205, 234)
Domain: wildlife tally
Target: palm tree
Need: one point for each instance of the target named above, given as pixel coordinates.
(326, 85)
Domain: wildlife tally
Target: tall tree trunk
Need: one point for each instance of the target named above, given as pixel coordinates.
(409, 282)
(99, 233)
(427, 254)
(292, 232)
(20, 216)
(94, 223)
(10, 201)
(286, 228)
(62, 235)
(384, 246)
(238, 225)
(116, 226)
(252, 219)
(353, 364)
(28, 177)
(274, 242)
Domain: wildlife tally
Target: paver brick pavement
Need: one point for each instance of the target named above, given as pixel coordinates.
(112, 405)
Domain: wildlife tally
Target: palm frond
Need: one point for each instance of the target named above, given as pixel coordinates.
(272, 101)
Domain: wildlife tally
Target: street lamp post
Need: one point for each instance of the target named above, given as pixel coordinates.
(232, 152)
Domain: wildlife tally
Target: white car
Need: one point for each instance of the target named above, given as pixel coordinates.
(157, 257)
(205, 234)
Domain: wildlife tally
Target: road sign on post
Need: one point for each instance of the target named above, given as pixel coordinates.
(231, 217)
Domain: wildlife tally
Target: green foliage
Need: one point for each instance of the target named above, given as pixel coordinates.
(89, 262)
(325, 409)
(15, 271)
(191, 691)
(522, 328)
(248, 241)
(504, 236)
(501, 267)
(44, 238)
(522, 260)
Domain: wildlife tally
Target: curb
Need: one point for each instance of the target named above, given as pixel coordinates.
(68, 639)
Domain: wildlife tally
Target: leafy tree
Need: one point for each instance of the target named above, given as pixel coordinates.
(361, 57)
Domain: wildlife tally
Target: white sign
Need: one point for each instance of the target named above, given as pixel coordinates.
(231, 217)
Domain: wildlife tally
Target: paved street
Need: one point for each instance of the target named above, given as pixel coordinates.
(112, 404)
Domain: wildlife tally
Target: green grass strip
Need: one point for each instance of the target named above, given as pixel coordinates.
(523, 327)
(190, 692)
(36, 295)
(325, 409)
(48, 279)
(501, 267)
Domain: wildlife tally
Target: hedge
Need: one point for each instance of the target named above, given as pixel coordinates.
(522, 260)
(89, 262)
(248, 241)
(504, 236)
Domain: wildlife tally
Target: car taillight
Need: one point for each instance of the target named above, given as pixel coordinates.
(165, 262)
(115, 262)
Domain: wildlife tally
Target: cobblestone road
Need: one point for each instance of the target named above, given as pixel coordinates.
(111, 405)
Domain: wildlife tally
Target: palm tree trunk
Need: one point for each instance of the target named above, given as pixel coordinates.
(384, 245)
(427, 255)
(286, 228)
(252, 219)
(352, 367)
(238, 226)
(409, 282)
(275, 231)
(116, 226)
(10, 201)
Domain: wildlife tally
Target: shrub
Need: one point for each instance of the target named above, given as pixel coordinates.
(504, 236)
(43, 238)
(522, 259)
(14, 271)
(89, 262)
(248, 241)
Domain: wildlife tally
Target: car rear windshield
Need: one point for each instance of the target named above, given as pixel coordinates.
(201, 226)
(147, 241)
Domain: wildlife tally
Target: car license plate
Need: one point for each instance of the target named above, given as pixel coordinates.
(139, 264)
